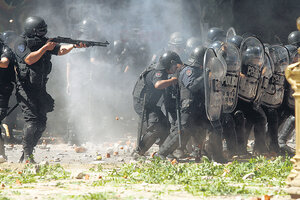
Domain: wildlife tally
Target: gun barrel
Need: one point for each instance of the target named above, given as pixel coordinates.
(86, 42)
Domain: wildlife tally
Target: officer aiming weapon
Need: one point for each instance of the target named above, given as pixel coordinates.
(66, 40)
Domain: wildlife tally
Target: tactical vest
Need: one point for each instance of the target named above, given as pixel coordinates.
(35, 74)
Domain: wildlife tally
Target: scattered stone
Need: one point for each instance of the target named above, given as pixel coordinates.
(80, 175)
(80, 149)
(57, 160)
(116, 153)
(86, 177)
(107, 155)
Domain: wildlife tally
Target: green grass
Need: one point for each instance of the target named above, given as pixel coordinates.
(201, 179)
(206, 178)
(96, 196)
(32, 173)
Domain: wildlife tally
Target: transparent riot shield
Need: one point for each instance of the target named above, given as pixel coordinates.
(252, 55)
(264, 81)
(215, 70)
(274, 93)
(230, 85)
(230, 33)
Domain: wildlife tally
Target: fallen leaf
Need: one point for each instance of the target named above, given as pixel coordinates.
(174, 161)
(121, 147)
(107, 155)
(153, 154)
(99, 177)
(267, 197)
(87, 177)
(116, 153)
(20, 172)
(18, 182)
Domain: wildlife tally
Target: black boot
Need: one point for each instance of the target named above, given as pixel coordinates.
(287, 128)
(214, 148)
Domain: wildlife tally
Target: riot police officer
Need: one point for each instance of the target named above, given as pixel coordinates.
(147, 91)
(215, 34)
(33, 53)
(192, 109)
(7, 78)
(255, 69)
(287, 110)
(9, 37)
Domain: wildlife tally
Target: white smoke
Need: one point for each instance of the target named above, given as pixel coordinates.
(108, 110)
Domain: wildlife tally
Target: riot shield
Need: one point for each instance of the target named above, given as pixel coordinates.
(230, 33)
(265, 79)
(231, 55)
(252, 55)
(274, 93)
(215, 70)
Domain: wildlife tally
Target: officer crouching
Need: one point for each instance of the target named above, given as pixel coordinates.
(153, 125)
(33, 53)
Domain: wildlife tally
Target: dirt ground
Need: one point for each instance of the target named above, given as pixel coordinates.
(89, 157)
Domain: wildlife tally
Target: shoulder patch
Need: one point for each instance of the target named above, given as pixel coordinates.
(158, 74)
(189, 72)
(21, 47)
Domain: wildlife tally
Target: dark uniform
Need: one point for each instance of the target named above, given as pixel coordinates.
(7, 77)
(31, 92)
(146, 100)
(155, 121)
(192, 109)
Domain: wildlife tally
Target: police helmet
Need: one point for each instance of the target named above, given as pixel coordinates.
(215, 34)
(196, 57)
(252, 55)
(294, 38)
(167, 60)
(8, 36)
(176, 39)
(236, 40)
(35, 26)
(216, 45)
(192, 43)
